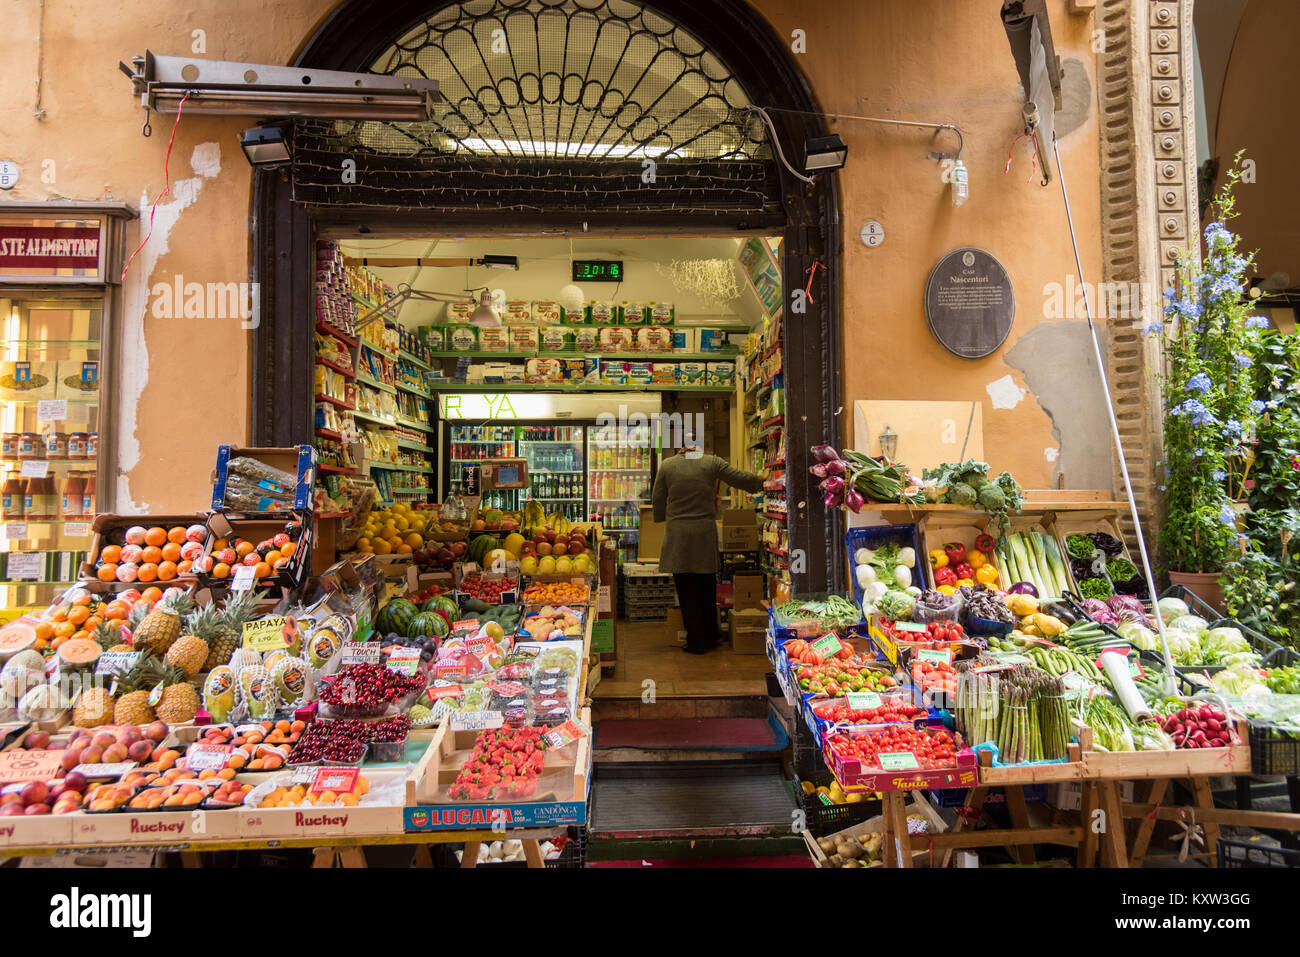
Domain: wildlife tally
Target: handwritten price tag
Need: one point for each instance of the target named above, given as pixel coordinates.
(269, 634)
(476, 720)
(357, 653)
(243, 579)
(15, 530)
(898, 761)
(51, 410)
(25, 566)
(76, 529)
(863, 700)
(936, 655)
(828, 645)
(35, 468)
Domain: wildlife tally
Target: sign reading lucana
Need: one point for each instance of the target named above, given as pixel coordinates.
(49, 247)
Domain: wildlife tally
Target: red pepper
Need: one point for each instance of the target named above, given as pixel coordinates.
(956, 552)
(985, 544)
(963, 570)
(944, 576)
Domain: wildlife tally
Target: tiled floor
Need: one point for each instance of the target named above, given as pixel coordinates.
(646, 650)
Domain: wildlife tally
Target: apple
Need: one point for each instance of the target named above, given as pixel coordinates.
(539, 537)
(550, 536)
(459, 548)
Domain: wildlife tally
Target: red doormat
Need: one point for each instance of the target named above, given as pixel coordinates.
(701, 734)
(677, 862)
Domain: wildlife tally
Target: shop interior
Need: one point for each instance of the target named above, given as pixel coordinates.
(435, 356)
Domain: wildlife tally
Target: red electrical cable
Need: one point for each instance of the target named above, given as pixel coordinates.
(167, 185)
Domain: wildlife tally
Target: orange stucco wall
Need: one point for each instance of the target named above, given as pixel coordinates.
(185, 385)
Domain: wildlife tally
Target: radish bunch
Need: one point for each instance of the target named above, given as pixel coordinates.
(1203, 727)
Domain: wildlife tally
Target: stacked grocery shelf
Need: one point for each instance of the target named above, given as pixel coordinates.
(765, 444)
(619, 477)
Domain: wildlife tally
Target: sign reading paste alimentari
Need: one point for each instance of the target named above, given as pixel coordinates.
(969, 303)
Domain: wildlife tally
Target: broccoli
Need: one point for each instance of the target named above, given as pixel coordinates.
(991, 498)
(959, 493)
(977, 481)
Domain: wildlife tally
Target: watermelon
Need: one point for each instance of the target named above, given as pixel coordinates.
(394, 617)
(443, 604)
(427, 624)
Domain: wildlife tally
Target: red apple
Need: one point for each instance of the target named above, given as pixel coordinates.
(459, 548)
(550, 536)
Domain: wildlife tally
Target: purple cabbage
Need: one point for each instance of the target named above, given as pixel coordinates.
(1099, 611)
(1128, 608)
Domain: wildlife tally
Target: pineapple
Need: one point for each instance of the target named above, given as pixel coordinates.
(180, 699)
(189, 654)
(160, 628)
(94, 707)
(239, 608)
(109, 635)
(133, 691)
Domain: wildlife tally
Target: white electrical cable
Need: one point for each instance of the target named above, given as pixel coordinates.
(776, 143)
(1114, 432)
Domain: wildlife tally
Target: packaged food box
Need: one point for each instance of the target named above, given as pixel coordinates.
(459, 312)
(462, 338)
(28, 380)
(495, 371)
(690, 373)
(639, 373)
(77, 379)
(512, 371)
(663, 313)
(495, 339)
(712, 340)
(576, 369)
(614, 371)
(686, 340)
(555, 338)
(663, 373)
(432, 337)
(543, 370)
(546, 312)
(615, 339)
(601, 313)
(523, 338)
(586, 339)
(518, 310)
(719, 373)
(654, 339)
(633, 313)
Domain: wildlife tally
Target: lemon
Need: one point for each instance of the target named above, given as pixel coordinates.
(382, 547)
(403, 549)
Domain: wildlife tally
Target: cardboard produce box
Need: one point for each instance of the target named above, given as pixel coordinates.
(738, 530)
(749, 631)
(747, 591)
(650, 540)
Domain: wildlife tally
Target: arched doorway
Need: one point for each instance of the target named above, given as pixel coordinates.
(661, 80)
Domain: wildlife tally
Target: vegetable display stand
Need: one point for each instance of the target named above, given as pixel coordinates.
(1203, 812)
(1178, 763)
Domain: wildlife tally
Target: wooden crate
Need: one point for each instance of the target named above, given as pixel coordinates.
(935, 530)
(1071, 523)
(442, 761)
(1070, 770)
(918, 806)
(1179, 763)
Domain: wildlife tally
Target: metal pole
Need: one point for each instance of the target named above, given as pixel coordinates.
(1114, 430)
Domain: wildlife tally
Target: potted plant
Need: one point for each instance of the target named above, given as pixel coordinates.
(1210, 408)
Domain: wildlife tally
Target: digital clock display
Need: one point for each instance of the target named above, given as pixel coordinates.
(598, 270)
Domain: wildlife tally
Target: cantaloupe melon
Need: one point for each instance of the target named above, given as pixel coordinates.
(78, 654)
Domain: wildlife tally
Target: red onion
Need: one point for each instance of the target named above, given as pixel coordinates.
(824, 453)
(853, 500)
(818, 470)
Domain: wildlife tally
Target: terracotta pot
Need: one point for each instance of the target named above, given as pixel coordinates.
(1206, 586)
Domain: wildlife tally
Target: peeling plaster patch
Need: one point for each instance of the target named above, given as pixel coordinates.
(1005, 393)
(1051, 454)
(134, 357)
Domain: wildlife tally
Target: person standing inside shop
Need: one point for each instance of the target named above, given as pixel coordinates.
(685, 499)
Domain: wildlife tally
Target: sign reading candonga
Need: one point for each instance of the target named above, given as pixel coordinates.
(49, 247)
(969, 303)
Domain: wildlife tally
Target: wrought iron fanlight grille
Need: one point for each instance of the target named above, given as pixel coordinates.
(546, 100)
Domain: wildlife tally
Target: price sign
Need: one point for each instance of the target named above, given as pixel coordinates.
(465, 624)
(270, 634)
(898, 761)
(15, 530)
(115, 662)
(476, 720)
(937, 655)
(357, 653)
(1076, 684)
(35, 468)
(76, 529)
(335, 780)
(438, 692)
(1011, 658)
(208, 757)
(912, 626)
(51, 410)
(25, 566)
(828, 645)
(404, 661)
(864, 700)
(1135, 670)
(99, 772)
(243, 579)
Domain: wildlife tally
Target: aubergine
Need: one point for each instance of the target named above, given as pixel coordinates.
(1059, 610)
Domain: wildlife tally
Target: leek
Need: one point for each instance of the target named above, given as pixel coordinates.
(1040, 565)
(1026, 565)
(1054, 560)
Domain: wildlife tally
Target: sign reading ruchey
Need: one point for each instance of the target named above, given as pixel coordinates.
(57, 247)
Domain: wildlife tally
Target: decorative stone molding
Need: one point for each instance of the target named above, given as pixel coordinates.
(1149, 212)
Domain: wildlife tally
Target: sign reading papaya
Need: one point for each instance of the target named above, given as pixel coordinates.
(269, 634)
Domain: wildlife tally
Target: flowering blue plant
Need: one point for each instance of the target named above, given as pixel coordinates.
(1211, 409)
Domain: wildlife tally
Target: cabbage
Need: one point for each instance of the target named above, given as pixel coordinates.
(1219, 644)
(1183, 646)
(1193, 623)
(1240, 679)
(1171, 608)
(1139, 635)
(1099, 611)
